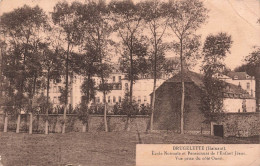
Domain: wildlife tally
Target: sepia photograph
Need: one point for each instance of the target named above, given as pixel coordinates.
(129, 82)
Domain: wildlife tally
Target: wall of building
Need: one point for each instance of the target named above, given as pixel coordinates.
(240, 124)
(141, 89)
(236, 105)
(167, 111)
(245, 81)
(96, 123)
(248, 85)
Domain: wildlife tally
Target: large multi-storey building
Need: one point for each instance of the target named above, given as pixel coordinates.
(241, 79)
(142, 88)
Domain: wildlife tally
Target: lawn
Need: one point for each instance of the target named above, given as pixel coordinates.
(99, 148)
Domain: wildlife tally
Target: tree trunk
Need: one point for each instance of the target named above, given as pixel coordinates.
(128, 123)
(18, 123)
(47, 104)
(66, 90)
(64, 120)
(6, 122)
(104, 99)
(257, 87)
(31, 104)
(154, 82)
(105, 113)
(182, 107)
(103, 83)
(131, 76)
(153, 105)
(84, 128)
(182, 91)
(31, 123)
(47, 126)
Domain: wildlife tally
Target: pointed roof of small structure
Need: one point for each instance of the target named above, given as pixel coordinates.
(188, 76)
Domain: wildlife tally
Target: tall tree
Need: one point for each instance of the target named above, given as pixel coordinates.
(128, 22)
(64, 15)
(97, 29)
(4, 86)
(185, 17)
(51, 64)
(22, 29)
(156, 20)
(215, 50)
(85, 65)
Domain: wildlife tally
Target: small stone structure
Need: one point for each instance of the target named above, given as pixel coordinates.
(238, 124)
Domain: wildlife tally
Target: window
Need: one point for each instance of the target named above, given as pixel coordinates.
(119, 78)
(126, 86)
(139, 99)
(114, 78)
(145, 99)
(235, 77)
(55, 89)
(55, 100)
(114, 99)
(98, 99)
(119, 99)
(59, 88)
(248, 85)
(58, 80)
(108, 99)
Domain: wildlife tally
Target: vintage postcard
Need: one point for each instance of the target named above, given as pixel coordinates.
(129, 82)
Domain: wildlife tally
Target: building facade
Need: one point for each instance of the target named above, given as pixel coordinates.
(168, 103)
(241, 79)
(142, 89)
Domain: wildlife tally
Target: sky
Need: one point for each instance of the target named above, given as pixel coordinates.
(236, 17)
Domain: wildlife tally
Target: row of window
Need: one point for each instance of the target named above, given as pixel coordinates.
(119, 78)
(236, 77)
(109, 99)
(56, 89)
(115, 99)
(56, 100)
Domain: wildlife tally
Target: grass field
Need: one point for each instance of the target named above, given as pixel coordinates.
(100, 148)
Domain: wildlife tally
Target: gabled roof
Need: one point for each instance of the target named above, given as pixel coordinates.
(239, 75)
(231, 90)
(188, 76)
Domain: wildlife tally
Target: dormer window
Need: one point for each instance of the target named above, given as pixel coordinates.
(247, 76)
(235, 77)
(231, 95)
